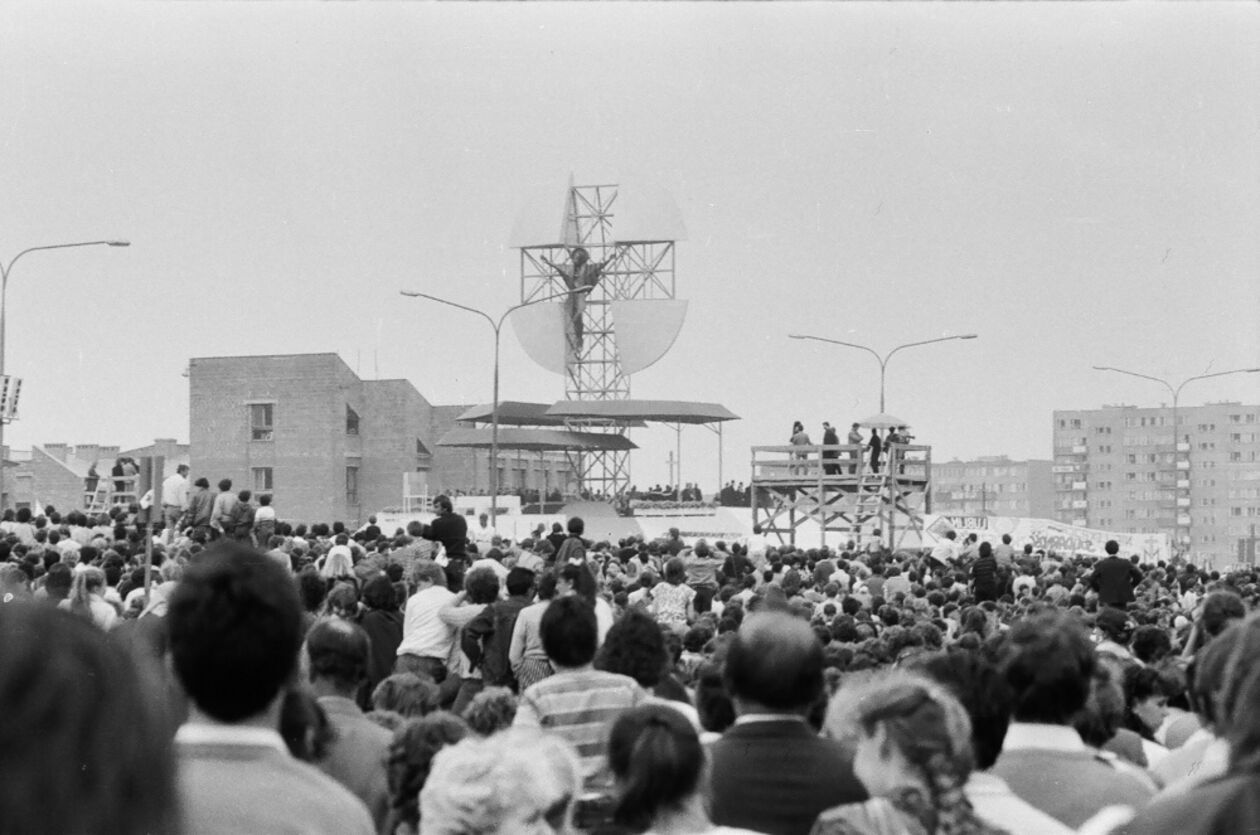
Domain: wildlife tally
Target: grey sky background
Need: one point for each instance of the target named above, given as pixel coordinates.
(1079, 184)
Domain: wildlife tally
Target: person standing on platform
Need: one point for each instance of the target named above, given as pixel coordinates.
(876, 446)
(830, 438)
(855, 439)
(799, 438)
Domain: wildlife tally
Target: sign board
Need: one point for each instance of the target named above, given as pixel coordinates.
(1050, 535)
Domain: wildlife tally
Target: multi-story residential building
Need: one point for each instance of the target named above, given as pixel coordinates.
(993, 486)
(330, 446)
(1121, 468)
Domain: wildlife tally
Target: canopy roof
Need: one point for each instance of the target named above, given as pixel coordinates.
(661, 411)
(511, 413)
(537, 440)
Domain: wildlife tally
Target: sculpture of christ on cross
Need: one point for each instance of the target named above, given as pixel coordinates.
(581, 273)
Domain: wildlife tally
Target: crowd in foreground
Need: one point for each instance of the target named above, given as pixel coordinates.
(442, 680)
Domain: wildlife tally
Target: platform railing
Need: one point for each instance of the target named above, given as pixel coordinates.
(837, 464)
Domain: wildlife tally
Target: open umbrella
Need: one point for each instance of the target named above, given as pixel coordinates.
(883, 421)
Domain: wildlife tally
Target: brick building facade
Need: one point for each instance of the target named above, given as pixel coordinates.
(326, 444)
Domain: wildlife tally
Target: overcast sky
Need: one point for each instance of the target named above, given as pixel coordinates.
(1079, 184)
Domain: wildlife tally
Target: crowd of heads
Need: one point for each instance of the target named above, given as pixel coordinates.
(915, 663)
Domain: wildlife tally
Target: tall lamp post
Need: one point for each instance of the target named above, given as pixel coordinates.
(883, 361)
(5, 271)
(1176, 396)
(494, 409)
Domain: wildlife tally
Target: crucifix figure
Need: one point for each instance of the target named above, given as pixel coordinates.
(580, 273)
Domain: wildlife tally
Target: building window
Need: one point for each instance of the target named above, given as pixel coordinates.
(261, 476)
(352, 421)
(352, 485)
(261, 421)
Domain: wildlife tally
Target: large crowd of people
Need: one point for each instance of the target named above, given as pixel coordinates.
(267, 676)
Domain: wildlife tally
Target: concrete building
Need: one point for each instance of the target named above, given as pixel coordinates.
(993, 486)
(1119, 468)
(328, 445)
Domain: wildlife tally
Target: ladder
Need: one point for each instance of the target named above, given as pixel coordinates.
(872, 495)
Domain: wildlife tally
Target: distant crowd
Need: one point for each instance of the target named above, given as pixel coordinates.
(440, 678)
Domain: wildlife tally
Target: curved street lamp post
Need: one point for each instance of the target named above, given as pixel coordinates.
(1176, 396)
(5, 271)
(497, 325)
(883, 361)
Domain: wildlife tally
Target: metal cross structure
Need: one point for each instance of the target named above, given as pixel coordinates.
(620, 270)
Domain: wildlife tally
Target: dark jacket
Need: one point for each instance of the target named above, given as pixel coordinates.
(451, 530)
(384, 629)
(984, 576)
(488, 637)
(1114, 579)
(776, 776)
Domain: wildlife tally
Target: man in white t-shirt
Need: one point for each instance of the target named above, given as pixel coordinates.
(427, 640)
(483, 535)
(946, 552)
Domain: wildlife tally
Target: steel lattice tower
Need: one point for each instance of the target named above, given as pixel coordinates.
(632, 270)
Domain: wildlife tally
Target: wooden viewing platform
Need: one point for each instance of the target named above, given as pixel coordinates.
(835, 488)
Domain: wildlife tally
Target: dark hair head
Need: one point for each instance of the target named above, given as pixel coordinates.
(304, 726)
(312, 588)
(443, 503)
(202, 482)
(1220, 608)
(378, 593)
(570, 632)
(576, 526)
(482, 585)
(657, 759)
(1112, 547)
(775, 660)
(411, 757)
(225, 484)
(520, 581)
(675, 571)
(635, 647)
(338, 651)
(235, 628)
(982, 692)
(1048, 661)
(583, 582)
(69, 695)
(1151, 644)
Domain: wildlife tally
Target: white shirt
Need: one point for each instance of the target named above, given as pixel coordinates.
(484, 537)
(946, 552)
(424, 633)
(175, 491)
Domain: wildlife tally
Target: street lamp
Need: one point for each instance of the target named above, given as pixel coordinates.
(883, 361)
(5, 270)
(1176, 395)
(494, 409)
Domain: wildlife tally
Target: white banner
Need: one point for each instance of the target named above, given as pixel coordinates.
(1049, 535)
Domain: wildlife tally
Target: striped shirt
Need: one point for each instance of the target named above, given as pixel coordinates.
(581, 705)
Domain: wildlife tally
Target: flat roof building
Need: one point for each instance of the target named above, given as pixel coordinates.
(328, 445)
(1120, 468)
(993, 486)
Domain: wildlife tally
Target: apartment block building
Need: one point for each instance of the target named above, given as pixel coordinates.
(328, 445)
(1124, 468)
(994, 486)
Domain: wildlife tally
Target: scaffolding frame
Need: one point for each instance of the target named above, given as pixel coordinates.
(793, 486)
(632, 270)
